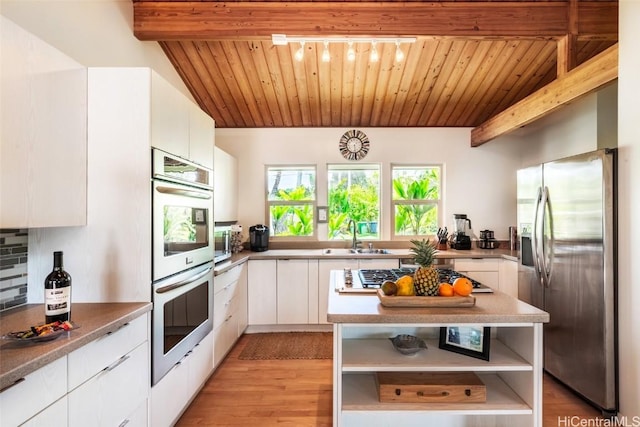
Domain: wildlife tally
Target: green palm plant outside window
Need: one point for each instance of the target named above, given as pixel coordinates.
(291, 200)
(416, 199)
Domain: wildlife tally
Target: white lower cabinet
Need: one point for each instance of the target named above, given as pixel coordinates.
(55, 415)
(297, 291)
(171, 395)
(109, 397)
(509, 277)
(229, 310)
(34, 395)
(262, 292)
(484, 270)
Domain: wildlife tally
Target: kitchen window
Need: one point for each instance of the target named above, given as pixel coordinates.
(291, 199)
(416, 203)
(353, 195)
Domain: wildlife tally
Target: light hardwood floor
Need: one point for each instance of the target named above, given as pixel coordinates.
(299, 393)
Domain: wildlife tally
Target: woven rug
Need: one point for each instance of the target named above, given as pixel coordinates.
(288, 345)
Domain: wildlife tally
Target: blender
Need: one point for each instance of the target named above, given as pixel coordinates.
(460, 239)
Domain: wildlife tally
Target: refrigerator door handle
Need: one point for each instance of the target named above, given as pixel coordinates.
(546, 253)
(535, 252)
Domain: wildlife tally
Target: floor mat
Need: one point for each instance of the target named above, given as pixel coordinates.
(288, 345)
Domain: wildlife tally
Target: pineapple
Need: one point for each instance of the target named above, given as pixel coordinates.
(426, 279)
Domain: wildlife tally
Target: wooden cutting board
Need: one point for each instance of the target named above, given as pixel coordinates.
(430, 387)
(416, 301)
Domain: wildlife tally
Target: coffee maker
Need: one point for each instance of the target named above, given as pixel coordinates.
(259, 238)
(460, 239)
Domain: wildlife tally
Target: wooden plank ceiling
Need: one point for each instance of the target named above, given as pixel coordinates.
(471, 59)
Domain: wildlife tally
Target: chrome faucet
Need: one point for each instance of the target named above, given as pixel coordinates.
(355, 242)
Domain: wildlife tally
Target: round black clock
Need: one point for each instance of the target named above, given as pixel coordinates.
(354, 145)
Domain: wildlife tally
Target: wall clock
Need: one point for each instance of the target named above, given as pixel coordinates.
(354, 145)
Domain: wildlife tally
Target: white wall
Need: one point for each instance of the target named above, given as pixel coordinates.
(629, 208)
(477, 181)
(96, 33)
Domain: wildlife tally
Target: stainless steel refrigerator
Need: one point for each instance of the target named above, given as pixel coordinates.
(567, 223)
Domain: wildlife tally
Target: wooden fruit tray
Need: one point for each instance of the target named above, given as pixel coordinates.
(416, 301)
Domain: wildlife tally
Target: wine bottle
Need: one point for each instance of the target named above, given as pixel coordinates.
(57, 292)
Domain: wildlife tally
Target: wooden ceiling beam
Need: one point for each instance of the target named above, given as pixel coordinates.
(588, 77)
(257, 20)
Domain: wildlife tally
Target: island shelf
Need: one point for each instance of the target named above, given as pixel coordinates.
(512, 375)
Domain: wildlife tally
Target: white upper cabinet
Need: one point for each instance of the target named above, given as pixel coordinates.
(201, 136)
(225, 184)
(178, 126)
(43, 161)
(169, 118)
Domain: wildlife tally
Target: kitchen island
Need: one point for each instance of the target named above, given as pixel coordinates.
(512, 375)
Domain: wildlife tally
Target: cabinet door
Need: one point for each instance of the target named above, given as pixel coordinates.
(262, 292)
(53, 416)
(200, 364)
(324, 278)
(293, 291)
(43, 166)
(169, 118)
(104, 400)
(225, 195)
(509, 277)
(169, 396)
(378, 263)
(241, 301)
(201, 136)
(39, 389)
(484, 270)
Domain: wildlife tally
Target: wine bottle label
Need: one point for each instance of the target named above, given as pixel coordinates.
(57, 301)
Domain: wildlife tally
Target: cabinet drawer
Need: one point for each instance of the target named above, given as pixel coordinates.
(109, 397)
(477, 264)
(169, 396)
(223, 304)
(38, 390)
(139, 417)
(200, 364)
(225, 336)
(102, 352)
(53, 416)
(226, 278)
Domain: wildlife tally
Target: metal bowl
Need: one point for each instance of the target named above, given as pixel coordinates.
(407, 344)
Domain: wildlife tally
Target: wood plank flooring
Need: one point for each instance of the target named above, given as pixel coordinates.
(299, 393)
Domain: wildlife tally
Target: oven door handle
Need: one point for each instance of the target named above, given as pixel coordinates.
(182, 192)
(184, 282)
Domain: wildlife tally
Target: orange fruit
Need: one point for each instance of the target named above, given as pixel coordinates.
(445, 290)
(462, 286)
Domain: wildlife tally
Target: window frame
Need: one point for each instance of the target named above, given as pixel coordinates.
(312, 203)
(393, 203)
(351, 167)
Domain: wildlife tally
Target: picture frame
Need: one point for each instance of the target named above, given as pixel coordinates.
(473, 341)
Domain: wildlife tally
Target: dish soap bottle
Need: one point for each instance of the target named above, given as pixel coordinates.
(57, 292)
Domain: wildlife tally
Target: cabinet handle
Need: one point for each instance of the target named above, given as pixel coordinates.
(18, 381)
(124, 423)
(119, 327)
(116, 363)
(229, 317)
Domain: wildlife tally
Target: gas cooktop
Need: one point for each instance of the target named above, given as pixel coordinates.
(368, 280)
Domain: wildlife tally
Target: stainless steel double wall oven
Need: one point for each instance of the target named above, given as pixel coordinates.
(183, 251)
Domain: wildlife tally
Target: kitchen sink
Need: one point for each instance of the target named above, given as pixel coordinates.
(351, 251)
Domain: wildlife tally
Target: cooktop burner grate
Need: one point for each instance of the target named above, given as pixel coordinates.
(375, 278)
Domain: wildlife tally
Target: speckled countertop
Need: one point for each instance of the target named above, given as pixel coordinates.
(496, 307)
(94, 320)
(342, 253)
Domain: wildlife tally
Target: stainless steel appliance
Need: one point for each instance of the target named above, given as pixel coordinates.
(182, 316)
(183, 252)
(182, 214)
(259, 238)
(567, 226)
(460, 239)
(369, 280)
(222, 243)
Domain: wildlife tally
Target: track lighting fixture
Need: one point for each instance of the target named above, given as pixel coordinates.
(282, 40)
